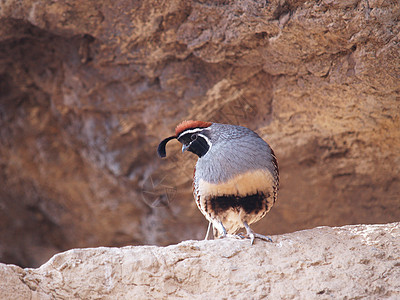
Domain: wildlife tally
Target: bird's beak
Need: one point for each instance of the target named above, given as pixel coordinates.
(185, 147)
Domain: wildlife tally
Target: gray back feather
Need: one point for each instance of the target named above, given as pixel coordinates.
(235, 150)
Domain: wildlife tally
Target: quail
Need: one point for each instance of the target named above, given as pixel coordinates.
(236, 177)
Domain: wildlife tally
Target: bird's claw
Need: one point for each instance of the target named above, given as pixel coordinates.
(261, 237)
(240, 235)
(252, 235)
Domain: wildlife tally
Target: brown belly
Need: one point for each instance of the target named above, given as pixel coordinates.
(247, 197)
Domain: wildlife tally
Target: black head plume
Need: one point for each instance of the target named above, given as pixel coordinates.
(161, 147)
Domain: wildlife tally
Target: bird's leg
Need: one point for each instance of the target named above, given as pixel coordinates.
(208, 231)
(250, 232)
(254, 235)
(219, 230)
(222, 229)
(223, 233)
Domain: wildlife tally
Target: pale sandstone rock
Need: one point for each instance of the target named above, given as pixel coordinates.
(350, 262)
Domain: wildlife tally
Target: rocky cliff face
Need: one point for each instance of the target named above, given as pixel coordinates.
(88, 89)
(350, 262)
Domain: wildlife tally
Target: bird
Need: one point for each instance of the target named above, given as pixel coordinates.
(236, 177)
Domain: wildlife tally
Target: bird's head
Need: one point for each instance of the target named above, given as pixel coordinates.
(193, 135)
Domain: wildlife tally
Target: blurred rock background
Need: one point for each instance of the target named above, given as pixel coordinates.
(89, 88)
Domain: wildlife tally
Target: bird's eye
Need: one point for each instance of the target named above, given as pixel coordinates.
(194, 137)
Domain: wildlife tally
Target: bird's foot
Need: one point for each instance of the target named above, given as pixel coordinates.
(240, 235)
(252, 235)
(261, 237)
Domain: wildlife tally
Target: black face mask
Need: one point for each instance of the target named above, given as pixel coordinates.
(197, 145)
(190, 141)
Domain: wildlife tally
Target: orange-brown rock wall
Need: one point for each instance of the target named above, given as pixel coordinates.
(88, 89)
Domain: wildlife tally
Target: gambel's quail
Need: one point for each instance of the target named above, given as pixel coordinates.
(236, 177)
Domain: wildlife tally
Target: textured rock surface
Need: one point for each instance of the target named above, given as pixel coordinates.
(88, 89)
(349, 262)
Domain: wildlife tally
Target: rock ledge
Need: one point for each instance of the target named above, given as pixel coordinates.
(349, 262)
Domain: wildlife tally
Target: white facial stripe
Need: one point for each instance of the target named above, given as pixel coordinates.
(192, 131)
(207, 140)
